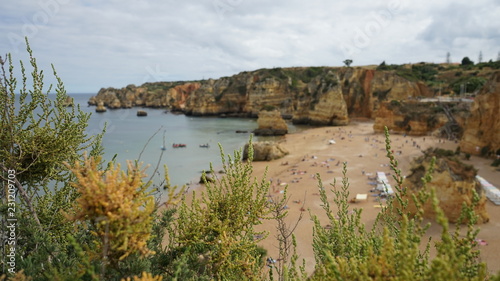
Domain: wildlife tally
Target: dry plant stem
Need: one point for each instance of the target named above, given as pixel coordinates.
(284, 235)
(26, 199)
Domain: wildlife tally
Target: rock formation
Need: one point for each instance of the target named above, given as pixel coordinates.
(331, 96)
(453, 181)
(482, 128)
(100, 107)
(265, 151)
(309, 95)
(413, 117)
(69, 102)
(270, 123)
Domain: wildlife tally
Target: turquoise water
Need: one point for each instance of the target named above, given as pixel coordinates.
(127, 135)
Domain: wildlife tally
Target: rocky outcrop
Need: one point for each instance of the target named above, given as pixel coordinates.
(310, 95)
(412, 118)
(100, 107)
(482, 128)
(365, 89)
(453, 181)
(69, 102)
(270, 123)
(265, 151)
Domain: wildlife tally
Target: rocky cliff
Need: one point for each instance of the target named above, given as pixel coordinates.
(482, 128)
(453, 181)
(418, 118)
(309, 95)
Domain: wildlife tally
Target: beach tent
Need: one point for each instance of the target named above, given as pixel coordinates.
(383, 184)
(388, 190)
(381, 177)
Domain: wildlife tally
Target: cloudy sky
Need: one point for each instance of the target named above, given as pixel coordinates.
(113, 43)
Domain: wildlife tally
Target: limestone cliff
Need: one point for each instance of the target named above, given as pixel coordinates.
(417, 118)
(453, 181)
(309, 95)
(482, 128)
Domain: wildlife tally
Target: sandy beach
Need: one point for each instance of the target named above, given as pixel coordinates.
(312, 152)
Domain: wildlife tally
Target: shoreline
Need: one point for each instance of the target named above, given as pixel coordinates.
(311, 153)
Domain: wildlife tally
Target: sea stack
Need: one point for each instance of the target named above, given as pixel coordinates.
(271, 124)
(100, 107)
(265, 151)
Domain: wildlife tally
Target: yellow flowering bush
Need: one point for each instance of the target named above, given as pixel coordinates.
(117, 206)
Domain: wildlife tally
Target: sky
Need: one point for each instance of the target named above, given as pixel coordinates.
(114, 43)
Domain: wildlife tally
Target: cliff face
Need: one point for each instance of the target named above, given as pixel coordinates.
(482, 128)
(412, 118)
(365, 90)
(453, 181)
(310, 95)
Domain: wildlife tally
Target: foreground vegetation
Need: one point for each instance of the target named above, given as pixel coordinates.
(81, 219)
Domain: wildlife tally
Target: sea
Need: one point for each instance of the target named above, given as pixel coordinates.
(150, 139)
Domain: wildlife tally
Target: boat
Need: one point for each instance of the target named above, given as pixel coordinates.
(178, 145)
(206, 145)
(163, 148)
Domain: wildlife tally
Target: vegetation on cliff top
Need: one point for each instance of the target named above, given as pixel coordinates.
(444, 77)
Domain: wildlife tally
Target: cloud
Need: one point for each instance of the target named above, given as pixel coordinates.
(464, 28)
(97, 44)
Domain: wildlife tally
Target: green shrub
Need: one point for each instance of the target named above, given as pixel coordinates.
(214, 235)
(395, 103)
(485, 151)
(37, 136)
(394, 249)
(425, 72)
(469, 84)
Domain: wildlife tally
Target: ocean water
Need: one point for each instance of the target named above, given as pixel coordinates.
(127, 135)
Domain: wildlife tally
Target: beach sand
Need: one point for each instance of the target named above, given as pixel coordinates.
(312, 153)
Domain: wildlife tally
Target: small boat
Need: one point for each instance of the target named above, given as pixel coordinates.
(178, 145)
(163, 148)
(206, 145)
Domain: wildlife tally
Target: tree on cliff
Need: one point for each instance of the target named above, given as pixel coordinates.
(466, 61)
(348, 62)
